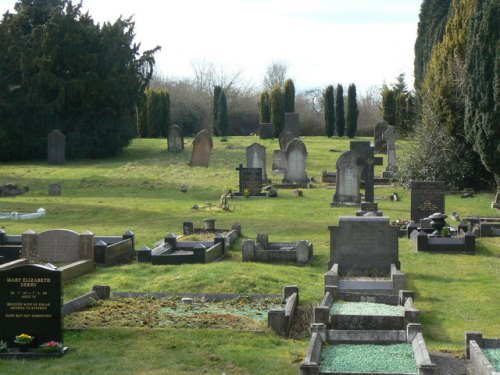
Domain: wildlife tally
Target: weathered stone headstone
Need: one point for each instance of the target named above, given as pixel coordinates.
(56, 148)
(285, 139)
(256, 158)
(380, 142)
(266, 131)
(175, 138)
(367, 160)
(55, 189)
(250, 180)
(202, 148)
(279, 161)
(427, 197)
(390, 137)
(348, 180)
(361, 244)
(292, 124)
(57, 245)
(31, 303)
(496, 202)
(296, 156)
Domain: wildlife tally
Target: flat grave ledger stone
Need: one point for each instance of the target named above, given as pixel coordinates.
(56, 148)
(250, 180)
(380, 142)
(427, 197)
(202, 148)
(31, 303)
(175, 138)
(348, 180)
(296, 156)
(256, 158)
(284, 139)
(292, 124)
(266, 131)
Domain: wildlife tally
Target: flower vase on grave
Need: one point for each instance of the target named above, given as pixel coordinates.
(438, 223)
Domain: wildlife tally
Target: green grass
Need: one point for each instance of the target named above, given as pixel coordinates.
(139, 190)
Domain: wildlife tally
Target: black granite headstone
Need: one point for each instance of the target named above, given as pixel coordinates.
(250, 180)
(31, 303)
(427, 197)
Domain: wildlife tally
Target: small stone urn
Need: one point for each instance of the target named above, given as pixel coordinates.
(437, 223)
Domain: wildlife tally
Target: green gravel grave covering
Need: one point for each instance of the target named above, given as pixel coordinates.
(493, 355)
(366, 308)
(368, 358)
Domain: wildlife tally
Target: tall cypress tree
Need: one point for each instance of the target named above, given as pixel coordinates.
(289, 96)
(166, 113)
(352, 111)
(215, 109)
(222, 115)
(142, 117)
(389, 105)
(277, 110)
(264, 108)
(339, 111)
(329, 110)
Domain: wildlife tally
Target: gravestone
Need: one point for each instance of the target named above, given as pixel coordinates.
(57, 245)
(380, 143)
(367, 161)
(279, 161)
(390, 137)
(256, 158)
(496, 202)
(250, 179)
(202, 148)
(348, 180)
(296, 156)
(266, 131)
(285, 139)
(31, 302)
(292, 124)
(427, 197)
(56, 148)
(175, 138)
(364, 244)
(55, 189)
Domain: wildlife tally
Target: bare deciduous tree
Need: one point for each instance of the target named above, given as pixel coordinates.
(275, 75)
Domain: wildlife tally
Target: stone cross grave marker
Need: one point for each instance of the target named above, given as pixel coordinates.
(296, 156)
(292, 124)
(250, 179)
(427, 197)
(31, 303)
(56, 148)
(390, 136)
(202, 148)
(175, 138)
(368, 162)
(256, 158)
(380, 142)
(285, 139)
(348, 180)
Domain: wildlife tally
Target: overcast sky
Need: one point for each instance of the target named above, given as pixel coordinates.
(366, 42)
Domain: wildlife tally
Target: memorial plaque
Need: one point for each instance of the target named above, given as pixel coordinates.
(250, 179)
(427, 197)
(31, 302)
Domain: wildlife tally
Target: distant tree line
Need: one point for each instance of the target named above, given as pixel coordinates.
(61, 70)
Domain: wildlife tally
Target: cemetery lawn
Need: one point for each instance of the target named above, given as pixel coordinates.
(139, 190)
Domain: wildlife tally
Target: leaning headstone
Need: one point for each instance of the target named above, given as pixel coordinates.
(427, 197)
(202, 148)
(380, 142)
(55, 189)
(285, 139)
(279, 161)
(296, 156)
(292, 124)
(266, 131)
(31, 303)
(175, 138)
(368, 161)
(256, 158)
(56, 148)
(390, 137)
(348, 180)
